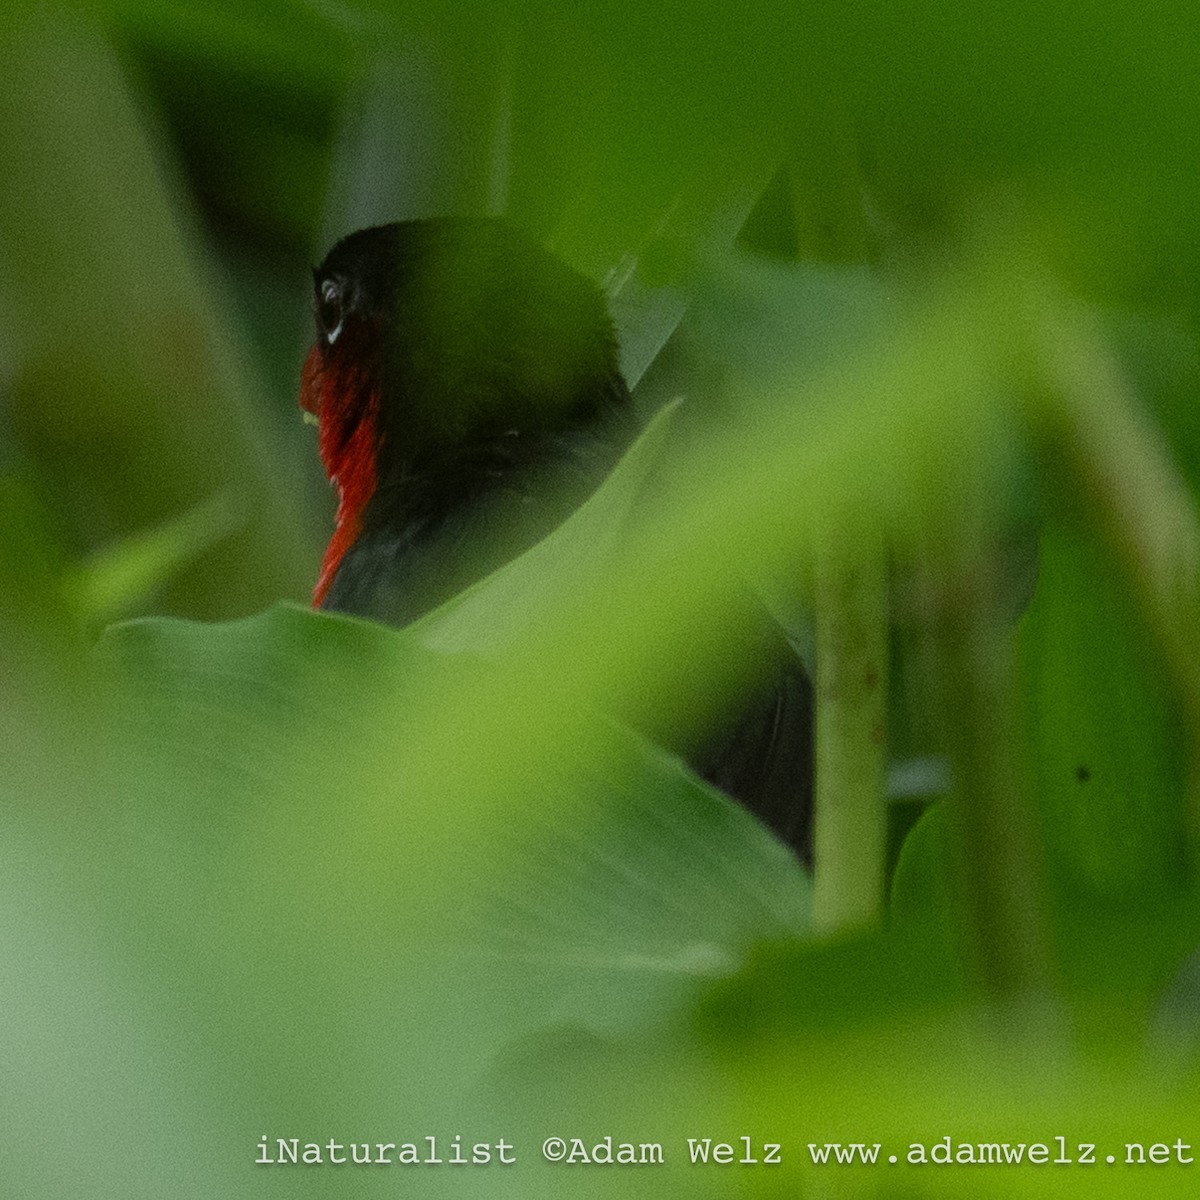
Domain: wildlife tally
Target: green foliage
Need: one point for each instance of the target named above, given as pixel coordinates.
(924, 277)
(1106, 746)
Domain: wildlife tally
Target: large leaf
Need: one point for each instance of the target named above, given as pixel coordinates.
(338, 905)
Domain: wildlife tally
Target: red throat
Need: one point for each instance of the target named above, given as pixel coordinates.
(335, 397)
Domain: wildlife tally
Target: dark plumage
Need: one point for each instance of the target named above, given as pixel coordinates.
(468, 398)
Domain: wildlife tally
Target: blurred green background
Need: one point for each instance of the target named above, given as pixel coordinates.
(925, 276)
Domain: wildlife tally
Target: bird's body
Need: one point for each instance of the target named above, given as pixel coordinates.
(468, 398)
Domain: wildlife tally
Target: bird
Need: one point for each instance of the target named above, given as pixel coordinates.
(466, 388)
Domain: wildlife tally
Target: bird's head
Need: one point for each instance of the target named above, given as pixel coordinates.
(437, 337)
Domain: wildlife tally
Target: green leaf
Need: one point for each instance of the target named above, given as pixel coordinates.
(118, 578)
(340, 902)
(1106, 751)
(487, 616)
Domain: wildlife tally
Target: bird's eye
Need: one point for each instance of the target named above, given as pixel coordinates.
(329, 310)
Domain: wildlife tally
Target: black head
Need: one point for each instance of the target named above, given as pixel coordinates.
(468, 328)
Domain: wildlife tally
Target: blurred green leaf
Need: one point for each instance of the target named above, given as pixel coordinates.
(489, 615)
(1106, 754)
(126, 385)
(117, 579)
(303, 926)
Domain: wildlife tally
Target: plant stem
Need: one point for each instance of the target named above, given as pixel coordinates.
(995, 856)
(850, 829)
